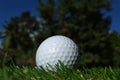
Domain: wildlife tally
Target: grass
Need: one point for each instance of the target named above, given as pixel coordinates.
(62, 73)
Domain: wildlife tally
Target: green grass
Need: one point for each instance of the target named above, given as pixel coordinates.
(62, 73)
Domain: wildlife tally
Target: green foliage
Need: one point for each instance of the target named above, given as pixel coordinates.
(81, 20)
(115, 39)
(22, 36)
(18, 32)
(84, 22)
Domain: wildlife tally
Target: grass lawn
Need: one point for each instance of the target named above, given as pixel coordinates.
(62, 73)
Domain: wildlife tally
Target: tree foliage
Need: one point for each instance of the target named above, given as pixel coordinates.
(22, 34)
(84, 22)
(115, 39)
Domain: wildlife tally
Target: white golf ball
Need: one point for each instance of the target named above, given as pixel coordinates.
(57, 48)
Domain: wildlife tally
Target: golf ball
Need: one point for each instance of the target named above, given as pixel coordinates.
(57, 48)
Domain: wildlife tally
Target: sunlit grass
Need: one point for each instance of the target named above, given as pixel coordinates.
(62, 73)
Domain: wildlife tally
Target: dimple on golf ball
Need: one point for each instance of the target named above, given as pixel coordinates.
(57, 48)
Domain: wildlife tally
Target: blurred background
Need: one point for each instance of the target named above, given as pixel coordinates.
(94, 25)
